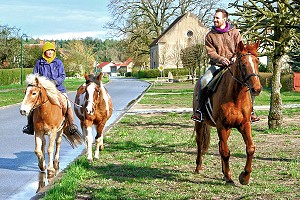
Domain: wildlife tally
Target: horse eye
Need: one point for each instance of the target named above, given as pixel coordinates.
(34, 93)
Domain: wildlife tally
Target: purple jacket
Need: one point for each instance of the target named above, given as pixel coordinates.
(53, 71)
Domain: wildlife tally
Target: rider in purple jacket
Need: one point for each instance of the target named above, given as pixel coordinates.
(54, 71)
(52, 67)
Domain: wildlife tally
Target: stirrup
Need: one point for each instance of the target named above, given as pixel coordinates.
(195, 118)
(254, 119)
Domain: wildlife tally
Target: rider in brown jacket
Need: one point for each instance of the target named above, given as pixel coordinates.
(220, 44)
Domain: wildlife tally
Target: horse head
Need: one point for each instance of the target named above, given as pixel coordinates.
(92, 92)
(247, 66)
(32, 95)
(38, 91)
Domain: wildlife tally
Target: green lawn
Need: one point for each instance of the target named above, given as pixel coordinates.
(152, 156)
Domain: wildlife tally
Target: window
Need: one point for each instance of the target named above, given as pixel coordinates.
(190, 33)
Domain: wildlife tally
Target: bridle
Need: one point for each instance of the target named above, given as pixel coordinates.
(245, 77)
(39, 97)
(87, 100)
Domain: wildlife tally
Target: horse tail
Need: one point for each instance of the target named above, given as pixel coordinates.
(202, 137)
(73, 139)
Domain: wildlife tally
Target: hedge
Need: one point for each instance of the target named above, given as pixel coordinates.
(286, 81)
(13, 76)
(265, 77)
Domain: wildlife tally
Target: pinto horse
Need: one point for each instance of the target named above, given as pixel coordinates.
(231, 108)
(94, 108)
(45, 103)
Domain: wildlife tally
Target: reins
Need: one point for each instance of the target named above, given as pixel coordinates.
(40, 96)
(244, 79)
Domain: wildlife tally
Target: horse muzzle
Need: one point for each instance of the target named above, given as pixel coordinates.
(90, 111)
(24, 112)
(255, 91)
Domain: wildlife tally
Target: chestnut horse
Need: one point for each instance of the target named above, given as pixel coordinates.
(231, 108)
(94, 108)
(44, 102)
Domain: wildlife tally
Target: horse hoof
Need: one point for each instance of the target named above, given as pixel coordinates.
(199, 172)
(101, 148)
(90, 161)
(230, 182)
(243, 179)
(50, 173)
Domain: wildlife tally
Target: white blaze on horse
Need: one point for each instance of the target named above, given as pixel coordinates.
(95, 108)
(45, 103)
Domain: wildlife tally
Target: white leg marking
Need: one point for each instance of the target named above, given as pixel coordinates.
(89, 141)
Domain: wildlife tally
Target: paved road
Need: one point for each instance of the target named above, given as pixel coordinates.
(19, 172)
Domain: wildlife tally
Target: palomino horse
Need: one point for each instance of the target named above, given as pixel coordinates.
(231, 108)
(94, 108)
(44, 102)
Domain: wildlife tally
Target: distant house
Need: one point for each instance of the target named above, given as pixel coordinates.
(115, 69)
(187, 30)
(126, 66)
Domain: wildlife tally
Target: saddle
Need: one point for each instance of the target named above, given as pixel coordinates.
(210, 89)
(213, 84)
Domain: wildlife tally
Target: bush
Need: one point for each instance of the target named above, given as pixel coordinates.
(153, 73)
(286, 81)
(13, 76)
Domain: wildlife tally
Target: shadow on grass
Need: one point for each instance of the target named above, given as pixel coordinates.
(158, 124)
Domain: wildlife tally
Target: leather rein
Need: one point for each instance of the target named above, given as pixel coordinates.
(245, 78)
(40, 96)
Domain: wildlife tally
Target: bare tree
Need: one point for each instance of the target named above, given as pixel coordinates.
(276, 23)
(141, 21)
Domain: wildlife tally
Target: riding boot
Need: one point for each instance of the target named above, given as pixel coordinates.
(29, 129)
(197, 116)
(73, 129)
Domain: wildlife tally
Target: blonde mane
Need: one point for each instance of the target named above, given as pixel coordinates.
(51, 90)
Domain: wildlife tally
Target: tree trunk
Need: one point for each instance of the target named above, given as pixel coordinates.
(275, 113)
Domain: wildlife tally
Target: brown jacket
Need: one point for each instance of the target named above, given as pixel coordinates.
(221, 45)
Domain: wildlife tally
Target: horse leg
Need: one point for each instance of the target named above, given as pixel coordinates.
(202, 140)
(250, 149)
(52, 137)
(99, 140)
(225, 154)
(39, 150)
(89, 142)
(58, 143)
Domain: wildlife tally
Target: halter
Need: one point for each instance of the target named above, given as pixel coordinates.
(98, 93)
(40, 96)
(244, 78)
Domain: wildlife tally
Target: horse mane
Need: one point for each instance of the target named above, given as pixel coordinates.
(251, 48)
(52, 93)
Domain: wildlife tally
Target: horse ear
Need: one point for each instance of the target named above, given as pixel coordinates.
(37, 81)
(257, 44)
(86, 76)
(240, 47)
(99, 77)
